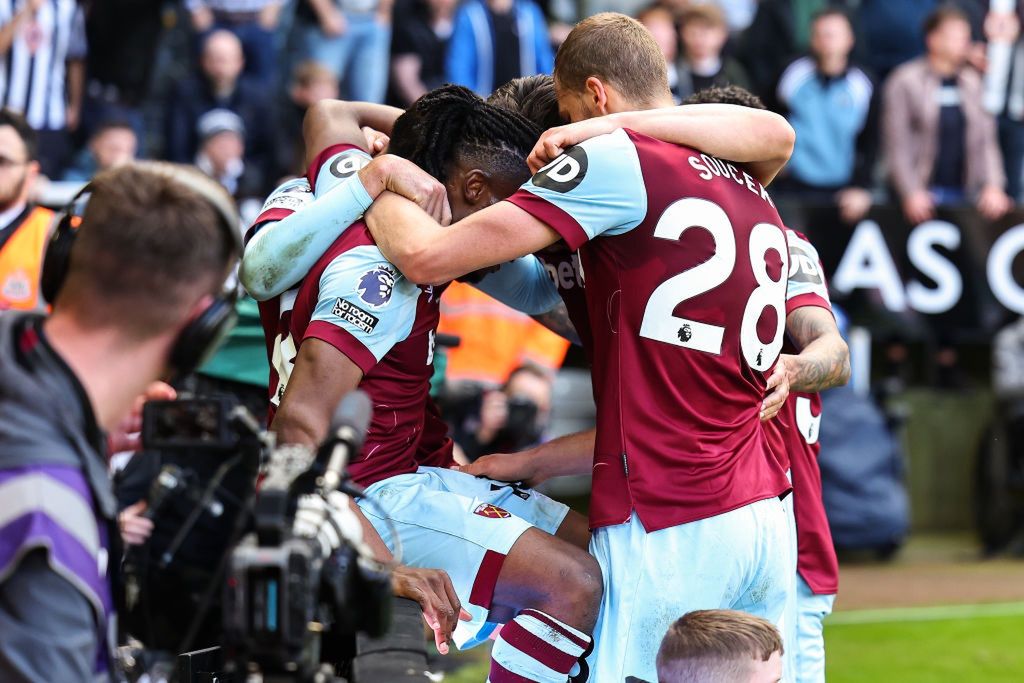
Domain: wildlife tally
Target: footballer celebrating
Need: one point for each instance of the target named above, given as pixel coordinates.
(686, 289)
(356, 321)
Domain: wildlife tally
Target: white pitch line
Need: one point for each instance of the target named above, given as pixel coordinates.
(936, 613)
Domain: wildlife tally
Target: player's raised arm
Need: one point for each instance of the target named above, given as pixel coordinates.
(759, 139)
(430, 254)
(286, 241)
(330, 122)
(597, 188)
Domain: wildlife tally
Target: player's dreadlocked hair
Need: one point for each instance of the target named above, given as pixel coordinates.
(452, 125)
(532, 96)
(726, 94)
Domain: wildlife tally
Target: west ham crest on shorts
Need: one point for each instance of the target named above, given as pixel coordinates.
(492, 511)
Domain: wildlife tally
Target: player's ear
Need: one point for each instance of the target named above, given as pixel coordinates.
(476, 187)
(596, 97)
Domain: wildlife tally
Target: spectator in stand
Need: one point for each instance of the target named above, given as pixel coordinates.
(123, 37)
(1004, 94)
(113, 144)
(739, 13)
(781, 31)
(720, 645)
(703, 32)
(220, 85)
(941, 145)
(254, 22)
(43, 47)
(311, 83)
(222, 154)
(662, 25)
(496, 41)
(418, 48)
(24, 228)
(831, 105)
(351, 38)
(891, 29)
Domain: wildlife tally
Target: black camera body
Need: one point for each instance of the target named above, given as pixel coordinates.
(285, 593)
(271, 603)
(282, 603)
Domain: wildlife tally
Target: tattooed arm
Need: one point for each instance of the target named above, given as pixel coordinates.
(824, 358)
(557, 320)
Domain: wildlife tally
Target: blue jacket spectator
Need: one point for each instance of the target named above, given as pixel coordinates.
(494, 42)
(781, 30)
(828, 113)
(832, 106)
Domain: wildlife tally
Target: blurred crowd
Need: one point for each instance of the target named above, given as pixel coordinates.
(223, 84)
(914, 102)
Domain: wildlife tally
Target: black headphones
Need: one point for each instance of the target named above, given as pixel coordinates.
(201, 336)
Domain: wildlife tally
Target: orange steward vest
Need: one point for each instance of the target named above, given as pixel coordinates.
(21, 259)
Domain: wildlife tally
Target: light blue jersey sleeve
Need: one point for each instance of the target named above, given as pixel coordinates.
(806, 284)
(293, 231)
(336, 165)
(595, 188)
(523, 284)
(364, 307)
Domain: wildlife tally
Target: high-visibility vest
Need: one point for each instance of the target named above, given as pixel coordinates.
(495, 339)
(21, 260)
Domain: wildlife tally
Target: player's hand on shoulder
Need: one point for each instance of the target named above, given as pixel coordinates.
(405, 178)
(517, 467)
(778, 390)
(376, 141)
(433, 590)
(556, 140)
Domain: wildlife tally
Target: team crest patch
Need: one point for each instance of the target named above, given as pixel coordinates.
(491, 511)
(375, 286)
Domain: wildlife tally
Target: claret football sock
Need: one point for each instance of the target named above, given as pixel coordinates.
(536, 647)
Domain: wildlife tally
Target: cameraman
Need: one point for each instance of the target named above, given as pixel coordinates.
(146, 264)
(508, 420)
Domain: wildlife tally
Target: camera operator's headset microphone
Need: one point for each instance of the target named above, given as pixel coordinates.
(203, 333)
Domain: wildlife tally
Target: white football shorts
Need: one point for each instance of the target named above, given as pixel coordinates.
(736, 560)
(463, 524)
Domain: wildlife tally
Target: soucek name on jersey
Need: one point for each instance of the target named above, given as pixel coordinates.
(685, 324)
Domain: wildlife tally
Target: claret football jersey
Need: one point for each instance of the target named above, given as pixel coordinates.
(793, 434)
(685, 267)
(358, 302)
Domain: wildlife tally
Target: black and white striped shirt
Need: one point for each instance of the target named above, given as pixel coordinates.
(32, 71)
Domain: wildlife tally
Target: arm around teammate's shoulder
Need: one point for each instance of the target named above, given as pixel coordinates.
(429, 254)
(759, 139)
